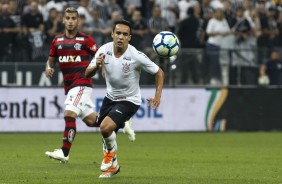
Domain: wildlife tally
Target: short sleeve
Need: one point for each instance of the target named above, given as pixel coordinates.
(91, 45)
(147, 64)
(93, 61)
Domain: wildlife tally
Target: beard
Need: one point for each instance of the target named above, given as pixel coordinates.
(119, 49)
(71, 31)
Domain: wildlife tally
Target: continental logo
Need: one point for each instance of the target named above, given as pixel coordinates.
(65, 59)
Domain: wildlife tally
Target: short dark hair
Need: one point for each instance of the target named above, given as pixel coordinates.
(190, 11)
(124, 22)
(71, 10)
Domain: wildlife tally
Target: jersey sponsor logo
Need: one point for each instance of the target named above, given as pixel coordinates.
(109, 53)
(60, 47)
(64, 59)
(77, 46)
(60, 39)
(127, 58)
(80, 38)
(126, 67)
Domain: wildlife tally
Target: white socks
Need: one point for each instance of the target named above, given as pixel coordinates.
(110, 142)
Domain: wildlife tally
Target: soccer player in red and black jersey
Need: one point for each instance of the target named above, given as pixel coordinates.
(73, 51)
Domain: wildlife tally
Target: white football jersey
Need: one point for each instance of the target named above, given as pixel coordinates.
(122, 74)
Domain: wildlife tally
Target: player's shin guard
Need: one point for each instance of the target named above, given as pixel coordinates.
(69, 134)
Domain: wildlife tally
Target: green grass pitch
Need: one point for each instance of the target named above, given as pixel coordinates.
(188, 158)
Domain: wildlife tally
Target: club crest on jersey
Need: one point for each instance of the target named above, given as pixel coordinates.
(77, 46)
(65, 59)
(79, 38)
(126, 67)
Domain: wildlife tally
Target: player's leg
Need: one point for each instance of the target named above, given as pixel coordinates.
(91, 120)
(72, 110)
(109, 164)
(109, 158)
(118, 114)
(130, 110)
(127, 129)
(69, 135)
(70, 131)
(114, 169)
(88, 115)
(107, 128)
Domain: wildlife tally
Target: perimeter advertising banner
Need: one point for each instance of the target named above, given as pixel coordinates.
(41, 110)
(199, 109)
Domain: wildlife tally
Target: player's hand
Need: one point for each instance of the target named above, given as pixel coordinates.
(49, 72)
(100, 60)
(154, 102)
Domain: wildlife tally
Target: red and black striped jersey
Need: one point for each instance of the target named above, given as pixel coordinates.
(74, 55)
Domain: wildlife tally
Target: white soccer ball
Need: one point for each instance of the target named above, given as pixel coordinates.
(166, 44)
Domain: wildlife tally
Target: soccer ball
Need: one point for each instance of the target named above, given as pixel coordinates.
(166, 44)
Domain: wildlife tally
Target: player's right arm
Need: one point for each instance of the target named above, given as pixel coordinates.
(50, 66)
(95, 65)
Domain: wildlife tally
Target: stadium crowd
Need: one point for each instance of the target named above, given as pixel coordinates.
(216, 36)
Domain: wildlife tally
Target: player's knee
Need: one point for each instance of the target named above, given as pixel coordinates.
(92, 124)
(69, 113)
(106, 129)
(89, 124)
(91, 120)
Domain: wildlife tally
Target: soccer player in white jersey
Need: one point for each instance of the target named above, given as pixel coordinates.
(121, 65)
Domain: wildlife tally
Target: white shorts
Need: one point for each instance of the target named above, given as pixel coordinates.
(79, 101)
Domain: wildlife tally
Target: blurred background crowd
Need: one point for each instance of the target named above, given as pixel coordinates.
(222, 41)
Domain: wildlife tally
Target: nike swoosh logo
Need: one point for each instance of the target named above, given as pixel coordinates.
(118, 111)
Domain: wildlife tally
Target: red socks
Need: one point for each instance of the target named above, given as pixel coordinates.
(69, 134)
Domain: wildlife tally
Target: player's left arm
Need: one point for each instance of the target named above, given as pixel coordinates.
(149, 66)
(159, 80)
(94, 66)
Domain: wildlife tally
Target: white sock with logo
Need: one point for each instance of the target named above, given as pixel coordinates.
(110, 142)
